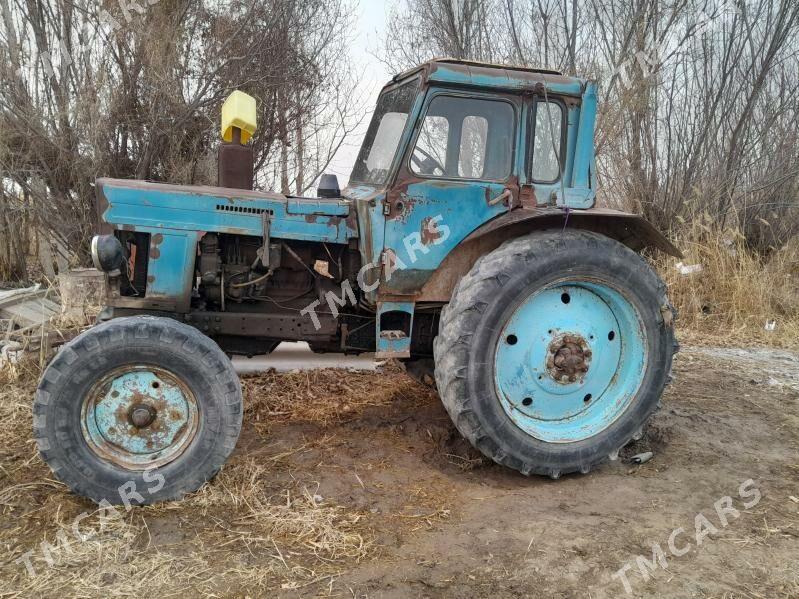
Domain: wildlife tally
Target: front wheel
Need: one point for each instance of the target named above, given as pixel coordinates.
(137, 410)
(554, 351)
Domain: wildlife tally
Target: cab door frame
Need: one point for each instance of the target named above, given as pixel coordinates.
(461, 204)
(426, 217)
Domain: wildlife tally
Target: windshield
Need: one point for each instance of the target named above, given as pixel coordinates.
(383, 136)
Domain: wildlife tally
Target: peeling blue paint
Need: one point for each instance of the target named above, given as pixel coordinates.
(504, 78)
(531, 391)
(459, 206)
(138, 417)
(170, 266)
(220, 210)
(388, 345)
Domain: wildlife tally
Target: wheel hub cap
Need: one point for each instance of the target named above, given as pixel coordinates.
(568, 357)
(569, 360)
(142, 415)
(139, 417)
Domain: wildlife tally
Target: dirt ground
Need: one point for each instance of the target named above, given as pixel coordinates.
(356, 485)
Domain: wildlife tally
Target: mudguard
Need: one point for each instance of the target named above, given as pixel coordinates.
(632, 230)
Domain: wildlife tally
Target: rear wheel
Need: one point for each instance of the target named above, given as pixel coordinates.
(137, 410)
(554, 351)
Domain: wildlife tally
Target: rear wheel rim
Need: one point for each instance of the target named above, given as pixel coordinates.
(139, 417)
(570, 360)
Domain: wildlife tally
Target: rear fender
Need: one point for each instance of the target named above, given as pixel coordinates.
(633, 231)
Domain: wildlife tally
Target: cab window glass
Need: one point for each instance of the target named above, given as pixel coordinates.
(388, 135)
(465, 138)
(547, 136)
(431, 145)
(474, 137)
(383, 136)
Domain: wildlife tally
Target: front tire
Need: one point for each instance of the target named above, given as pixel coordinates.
(137, 410)
(554, 351)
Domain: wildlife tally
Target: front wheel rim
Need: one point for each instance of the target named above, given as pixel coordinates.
(139, 417)
(570, 360)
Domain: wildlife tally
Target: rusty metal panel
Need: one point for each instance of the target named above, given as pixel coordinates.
(632, 230)
(394, 342)
(369, 202)
(135, 205)
(170, 266)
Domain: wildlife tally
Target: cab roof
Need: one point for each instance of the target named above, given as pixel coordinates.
(471, 73)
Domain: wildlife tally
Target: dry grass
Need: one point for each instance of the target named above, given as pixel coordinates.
(280, 397)
(259, 526)
(737, 290)
(252, 529)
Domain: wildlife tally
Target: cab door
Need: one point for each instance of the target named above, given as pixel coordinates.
(457, 173)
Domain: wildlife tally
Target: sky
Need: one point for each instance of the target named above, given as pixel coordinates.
(370, 26)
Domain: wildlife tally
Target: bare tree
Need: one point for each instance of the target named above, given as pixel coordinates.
(134, 90)
(699, 97)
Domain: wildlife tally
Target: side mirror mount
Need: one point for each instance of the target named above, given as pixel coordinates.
(328, 187)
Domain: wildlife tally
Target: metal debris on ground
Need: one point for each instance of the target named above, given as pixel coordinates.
(34, 319)
(642, 458)
(688, 269)
(24, 316)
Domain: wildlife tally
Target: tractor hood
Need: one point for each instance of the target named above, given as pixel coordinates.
(143, 206)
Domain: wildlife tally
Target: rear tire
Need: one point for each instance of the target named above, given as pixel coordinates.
(137, 410)
(507, 323)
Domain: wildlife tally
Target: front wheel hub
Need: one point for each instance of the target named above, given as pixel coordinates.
(142, 416)
(139, 417)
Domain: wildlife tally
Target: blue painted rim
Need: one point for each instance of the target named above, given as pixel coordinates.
(139, 417)
(579, 324)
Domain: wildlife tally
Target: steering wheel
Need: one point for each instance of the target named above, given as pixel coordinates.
(428, 164)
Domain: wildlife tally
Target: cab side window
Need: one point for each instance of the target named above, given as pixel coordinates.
(547, 142)
(465, 138)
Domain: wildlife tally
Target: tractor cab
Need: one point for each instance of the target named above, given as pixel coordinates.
(462, 144)
(458, 150)
(453, 120)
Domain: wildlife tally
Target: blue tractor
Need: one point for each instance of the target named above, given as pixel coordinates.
(467, 245)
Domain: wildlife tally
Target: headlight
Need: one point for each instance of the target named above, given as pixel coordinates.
(107, 254)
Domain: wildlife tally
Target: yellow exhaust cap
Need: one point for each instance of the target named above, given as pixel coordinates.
(238, 111)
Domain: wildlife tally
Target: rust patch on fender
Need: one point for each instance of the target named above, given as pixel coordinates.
(527, 197)
(430, 232)
(155, 241)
